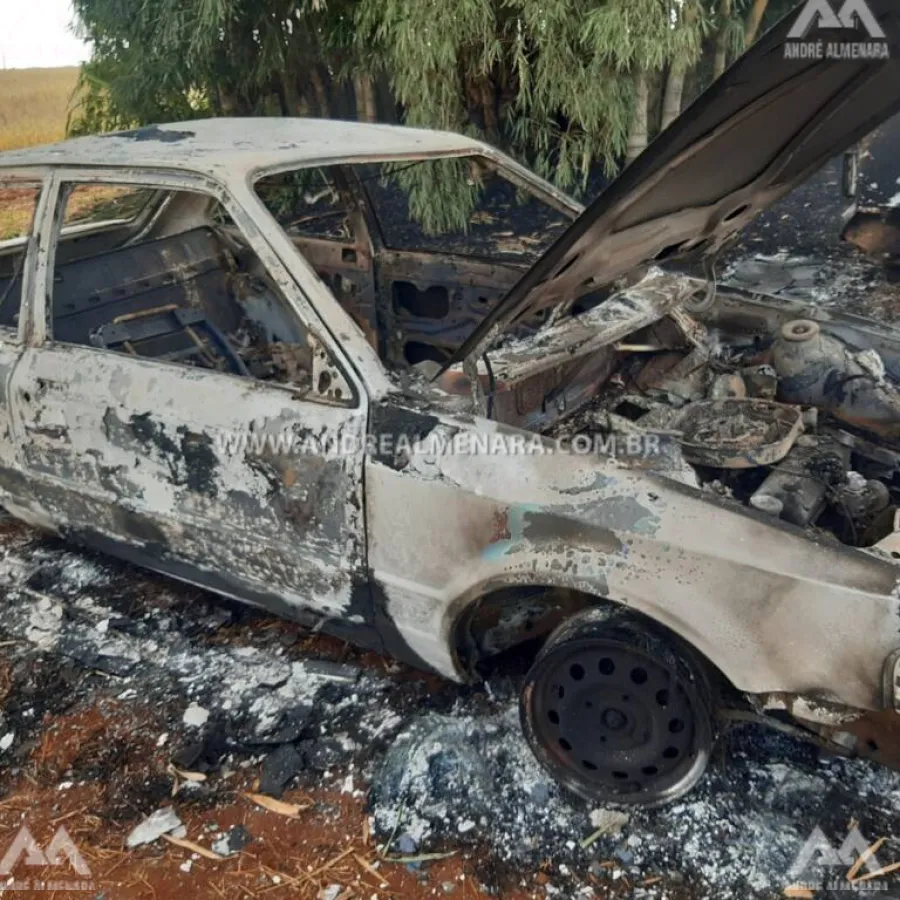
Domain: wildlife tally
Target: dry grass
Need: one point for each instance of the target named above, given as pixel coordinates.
(16, 211)
(34, 104)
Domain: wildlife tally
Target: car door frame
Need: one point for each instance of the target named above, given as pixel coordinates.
(482, 281)
(14, 490)
(294, 283)
(346, 265)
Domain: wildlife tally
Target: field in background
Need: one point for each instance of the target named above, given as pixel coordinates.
(34, 104)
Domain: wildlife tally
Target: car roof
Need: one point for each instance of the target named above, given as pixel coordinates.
(220, 147)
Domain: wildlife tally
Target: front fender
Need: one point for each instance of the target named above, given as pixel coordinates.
(772, 609)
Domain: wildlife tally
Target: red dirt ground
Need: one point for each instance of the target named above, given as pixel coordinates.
(326, 844)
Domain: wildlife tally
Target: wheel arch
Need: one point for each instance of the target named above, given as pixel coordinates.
(502, 617)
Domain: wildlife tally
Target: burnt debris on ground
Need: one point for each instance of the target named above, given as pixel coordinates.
(165, 675)
(795, 250)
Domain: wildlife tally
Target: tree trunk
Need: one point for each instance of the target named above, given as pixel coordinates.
(754, 20)
(228, 100)
(281, 97)
(320, 92)
(290, 96)
(215, 96)
(637, 136)
(674, 90)
(489, 109)
(364, 89)
(720, 62)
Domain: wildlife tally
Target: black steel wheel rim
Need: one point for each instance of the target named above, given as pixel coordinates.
(611, 721)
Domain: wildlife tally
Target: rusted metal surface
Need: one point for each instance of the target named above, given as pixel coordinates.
(436, 300)
(877, 737)
(877, 233)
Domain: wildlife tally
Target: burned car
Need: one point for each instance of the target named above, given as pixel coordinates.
(230, 353)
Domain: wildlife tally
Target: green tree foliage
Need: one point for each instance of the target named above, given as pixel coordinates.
(441, 196)
(168, 60)
(564, 84)
(555, 81)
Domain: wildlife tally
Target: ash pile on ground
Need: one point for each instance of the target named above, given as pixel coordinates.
(215, 686)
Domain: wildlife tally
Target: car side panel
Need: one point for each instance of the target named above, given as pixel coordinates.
(775, 611)
(170, 466)
(157, 455)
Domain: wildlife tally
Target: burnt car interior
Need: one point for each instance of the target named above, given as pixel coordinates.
(785, 410)
(166, 275)
(416, 284)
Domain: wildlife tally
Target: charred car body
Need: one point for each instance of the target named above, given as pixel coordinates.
(236, 282)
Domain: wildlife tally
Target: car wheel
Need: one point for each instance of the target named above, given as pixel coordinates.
(618, 713)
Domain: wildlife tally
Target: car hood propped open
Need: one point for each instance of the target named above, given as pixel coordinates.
(763, 128)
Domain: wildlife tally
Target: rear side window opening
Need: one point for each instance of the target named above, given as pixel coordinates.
(307, 203)
(96, 204)
(18, 202)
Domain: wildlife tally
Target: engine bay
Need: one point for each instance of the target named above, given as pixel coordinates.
(783, 408)
(792, 418)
